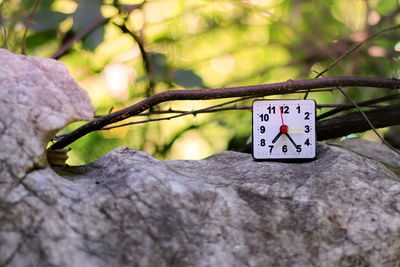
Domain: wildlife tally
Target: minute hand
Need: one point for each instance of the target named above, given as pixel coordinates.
(291, 140)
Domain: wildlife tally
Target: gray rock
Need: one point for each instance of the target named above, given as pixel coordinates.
(373, 150)
(129, 209)
(38, 97)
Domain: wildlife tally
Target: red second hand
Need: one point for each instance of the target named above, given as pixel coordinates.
(283, 129)
(280, 110)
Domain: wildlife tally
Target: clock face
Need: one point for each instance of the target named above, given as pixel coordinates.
(284, 129)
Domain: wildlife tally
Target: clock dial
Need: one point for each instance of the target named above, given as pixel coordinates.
(284, 129)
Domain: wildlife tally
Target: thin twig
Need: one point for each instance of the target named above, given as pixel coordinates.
(147, 64)
(194, 112)
(28, 24)
(210, 109)
(207, 94)
(79, 36)
(202, 111)
(351, 50)
(366, 118)
(363, 103)
(145, 56)
(356, 47)
(174, 111)
(234, 107)
(369, 122)
(86, 31)
(321, 106)
(170, 111)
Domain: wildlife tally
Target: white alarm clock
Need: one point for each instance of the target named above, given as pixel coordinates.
(284, 129)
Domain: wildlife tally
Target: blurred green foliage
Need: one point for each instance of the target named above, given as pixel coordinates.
(199, 44)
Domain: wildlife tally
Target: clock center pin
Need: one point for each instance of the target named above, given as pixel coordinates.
(284, 129)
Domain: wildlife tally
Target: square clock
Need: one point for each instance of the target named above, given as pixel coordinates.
(284, 129)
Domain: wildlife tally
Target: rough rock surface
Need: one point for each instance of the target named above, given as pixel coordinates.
(37, 98)
(129, 209)
(374, 151)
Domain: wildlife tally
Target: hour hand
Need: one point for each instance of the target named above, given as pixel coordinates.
(276, 137)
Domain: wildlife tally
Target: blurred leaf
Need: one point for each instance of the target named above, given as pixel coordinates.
(249, 140)
(395, 69)
(94, 39)
(141, 79)
(46, 4)
(166, 147)
(46, 19)
(350, 136)
(237, 142)
(41, 38)
(187, 78)
(27, 3)
(386, 6)
(159, 64)
(88, 13)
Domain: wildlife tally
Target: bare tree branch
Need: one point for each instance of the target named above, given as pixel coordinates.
(372, 127)
(351, 50)
(181, 114)
(351, 123)
(334, 63)
(355, 122)
(206, 94)
(233, 107)
(208, 110)
(361, 104)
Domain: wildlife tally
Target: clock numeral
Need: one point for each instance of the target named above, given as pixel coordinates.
(262, 142)
(298, 109)
(307, 130)
(298, 148)
(264, 117)
(284, 148)
(307, 142)
(307, 117)
(262, 129)
(271, 109)
(270, 148)
(285, 109)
